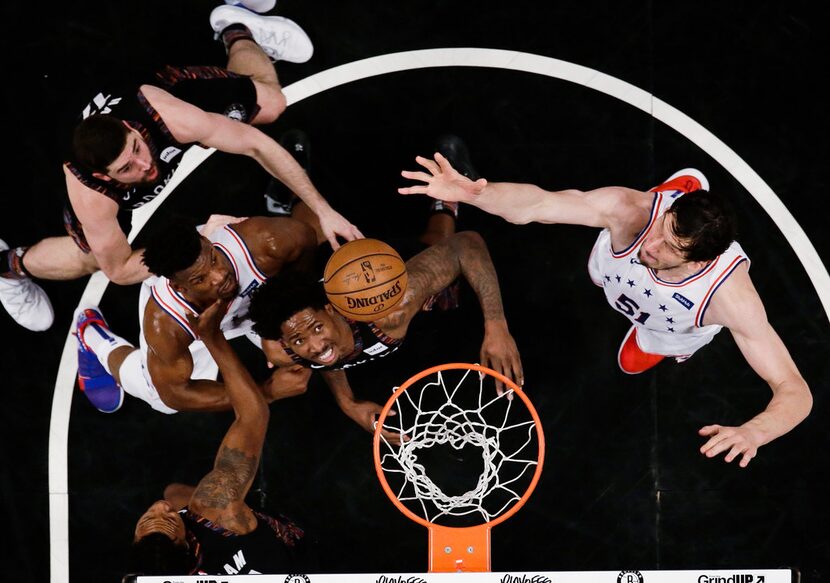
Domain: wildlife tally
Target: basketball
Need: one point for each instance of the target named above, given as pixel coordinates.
(365, 279)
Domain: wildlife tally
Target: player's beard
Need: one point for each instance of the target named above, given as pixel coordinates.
(150, 177)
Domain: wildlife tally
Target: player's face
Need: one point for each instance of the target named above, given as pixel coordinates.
(211, 278)
(661, 248)
(315, 335)
(162, 518)
(135, 164)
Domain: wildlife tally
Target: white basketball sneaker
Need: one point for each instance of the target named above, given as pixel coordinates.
(25, 301)
(281, 39)
(261, 6)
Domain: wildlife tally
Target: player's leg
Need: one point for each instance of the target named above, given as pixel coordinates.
(55, 258)
(253, 42)
(109, 366)
(631, 358)
(58, 258)
(642, 349)
(279, 200)
(443, 214)
(23, 299)
(95, 345)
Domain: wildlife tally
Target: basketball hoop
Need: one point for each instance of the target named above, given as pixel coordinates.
(445, 416)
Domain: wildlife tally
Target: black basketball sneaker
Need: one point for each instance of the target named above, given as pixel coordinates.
(455, 150)
(279, 200)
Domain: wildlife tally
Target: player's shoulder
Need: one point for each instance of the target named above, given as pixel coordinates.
(623, 197)
(162, 327)
(735, 302)
(261, 226)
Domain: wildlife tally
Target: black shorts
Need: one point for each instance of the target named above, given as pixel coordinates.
(212, 89)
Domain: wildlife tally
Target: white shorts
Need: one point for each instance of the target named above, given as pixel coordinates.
(135, 377)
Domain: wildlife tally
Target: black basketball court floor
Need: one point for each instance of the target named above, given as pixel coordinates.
(563, 95)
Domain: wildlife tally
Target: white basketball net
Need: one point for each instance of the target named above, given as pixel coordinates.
(431, 418)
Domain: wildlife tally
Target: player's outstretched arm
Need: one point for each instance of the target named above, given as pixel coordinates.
(433, 269)
(518, 203)
(738, 307)
(220, 495)
(189, 123)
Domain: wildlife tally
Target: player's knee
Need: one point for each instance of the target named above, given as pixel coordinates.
(272, 103)
(88, 263)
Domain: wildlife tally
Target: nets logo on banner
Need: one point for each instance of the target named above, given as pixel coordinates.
(630, 577)
(297, 579)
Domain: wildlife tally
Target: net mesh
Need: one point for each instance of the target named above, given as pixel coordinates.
(457, 425)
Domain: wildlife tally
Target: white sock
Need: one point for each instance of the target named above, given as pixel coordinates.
(102, 342)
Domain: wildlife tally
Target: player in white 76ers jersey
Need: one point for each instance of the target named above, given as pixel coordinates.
(667, 260)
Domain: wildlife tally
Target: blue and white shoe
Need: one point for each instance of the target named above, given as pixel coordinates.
(96, 383)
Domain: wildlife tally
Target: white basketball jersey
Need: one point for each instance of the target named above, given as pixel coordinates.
(236, 322)
(668, 315)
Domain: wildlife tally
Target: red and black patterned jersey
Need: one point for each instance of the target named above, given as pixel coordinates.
(210, 88)
(370, 343)
(218, 551)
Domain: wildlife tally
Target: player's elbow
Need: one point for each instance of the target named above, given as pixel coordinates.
(519, 218)
(272, 104)
(255, 416)
(174, 396)
(118, 275)
(119, 279)
(806, 401)
(798, 398)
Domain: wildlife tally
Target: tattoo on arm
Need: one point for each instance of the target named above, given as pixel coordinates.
(465, 253)
(229, 479)
(480, 272)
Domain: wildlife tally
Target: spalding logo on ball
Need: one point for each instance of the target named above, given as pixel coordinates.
(365, 279)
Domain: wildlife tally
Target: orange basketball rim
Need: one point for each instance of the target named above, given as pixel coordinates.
(454, 548)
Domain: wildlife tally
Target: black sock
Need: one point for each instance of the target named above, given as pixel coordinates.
(234, 32)
(11, 263)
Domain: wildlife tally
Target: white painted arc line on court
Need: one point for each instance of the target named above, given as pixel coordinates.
(65, 384)
(381, 65)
